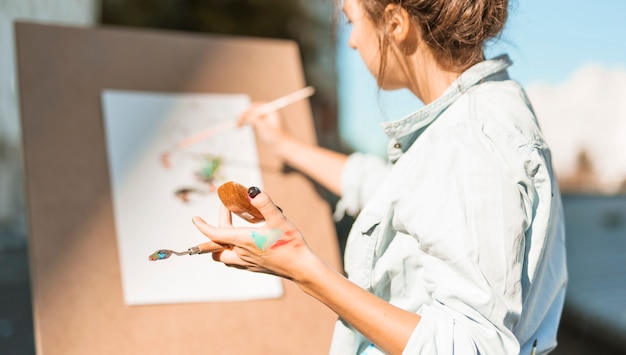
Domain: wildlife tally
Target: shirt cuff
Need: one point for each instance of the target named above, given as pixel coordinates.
(438, 333)
(361, 173)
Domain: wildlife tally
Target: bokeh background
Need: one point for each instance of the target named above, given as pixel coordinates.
(570, 56)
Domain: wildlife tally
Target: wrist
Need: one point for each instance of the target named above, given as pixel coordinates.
(285, 146)
(313, 273)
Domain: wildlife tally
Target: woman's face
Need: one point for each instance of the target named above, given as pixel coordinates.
(363, 37)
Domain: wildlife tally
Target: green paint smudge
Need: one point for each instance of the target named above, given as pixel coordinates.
(265, 241)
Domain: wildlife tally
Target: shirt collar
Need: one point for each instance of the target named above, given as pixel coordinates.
(403, 132)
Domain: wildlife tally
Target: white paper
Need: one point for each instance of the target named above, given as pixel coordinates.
(140, 127)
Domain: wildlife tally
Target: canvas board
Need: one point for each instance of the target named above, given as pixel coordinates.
(78, 301)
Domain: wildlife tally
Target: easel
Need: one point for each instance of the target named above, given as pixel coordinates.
(77, 296)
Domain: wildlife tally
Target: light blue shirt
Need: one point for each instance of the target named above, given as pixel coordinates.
(464, 226)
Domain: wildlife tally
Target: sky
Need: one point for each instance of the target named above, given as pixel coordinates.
(548, 41)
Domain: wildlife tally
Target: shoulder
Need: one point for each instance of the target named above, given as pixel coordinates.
(490, 126)
(499, 111)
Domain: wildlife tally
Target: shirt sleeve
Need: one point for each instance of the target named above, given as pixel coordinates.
(444, 335)
(361, 175)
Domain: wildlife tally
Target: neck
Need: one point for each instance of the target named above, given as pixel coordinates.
(431, 80)
(434, 85)
(428, 80)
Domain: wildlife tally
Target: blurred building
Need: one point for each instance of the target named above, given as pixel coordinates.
(584, 121)
(77, 12)
(310, 24)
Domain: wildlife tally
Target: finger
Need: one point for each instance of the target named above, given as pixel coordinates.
(229, 258)
(249, 115)
(208, 230)
(264, 204)
(224, 236)
(217, 255)
(243, 119)
(242, 262)
(204, 227)
(225, 217)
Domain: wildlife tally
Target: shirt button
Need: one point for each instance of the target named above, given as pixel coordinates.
(397, 146)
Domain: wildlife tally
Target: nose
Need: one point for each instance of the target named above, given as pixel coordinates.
(351, 41)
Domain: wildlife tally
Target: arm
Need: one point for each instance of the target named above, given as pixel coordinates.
(322, 165)
(387, 326)
(352, 178)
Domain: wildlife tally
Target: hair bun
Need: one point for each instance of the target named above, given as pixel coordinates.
(456, 30)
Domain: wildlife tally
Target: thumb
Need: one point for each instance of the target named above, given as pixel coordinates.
(249, 115)
(264, 204)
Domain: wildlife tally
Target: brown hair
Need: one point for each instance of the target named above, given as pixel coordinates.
(455, 30)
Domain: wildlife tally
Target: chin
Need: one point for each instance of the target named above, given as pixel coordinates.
(391, 87)
(390, 84)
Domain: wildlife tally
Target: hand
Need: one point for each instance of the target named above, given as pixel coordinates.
(277, 248)
(268, 127)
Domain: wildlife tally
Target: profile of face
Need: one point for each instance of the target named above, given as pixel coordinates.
(365, 38)
(364, 35)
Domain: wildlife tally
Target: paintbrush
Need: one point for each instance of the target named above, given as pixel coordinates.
(261, 110)
(234, 196)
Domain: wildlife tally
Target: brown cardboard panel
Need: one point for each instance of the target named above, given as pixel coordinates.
(76, 282)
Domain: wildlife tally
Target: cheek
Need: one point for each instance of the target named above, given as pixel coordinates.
(369, 55)
(395, 77)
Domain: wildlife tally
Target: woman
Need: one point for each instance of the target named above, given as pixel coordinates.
(459, 242)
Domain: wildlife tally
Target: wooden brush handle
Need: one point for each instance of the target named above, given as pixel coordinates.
(235, 197)
(204, 248)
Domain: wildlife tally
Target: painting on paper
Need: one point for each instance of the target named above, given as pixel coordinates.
(159, 184)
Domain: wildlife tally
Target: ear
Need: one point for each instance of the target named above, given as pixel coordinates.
(398, 24)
